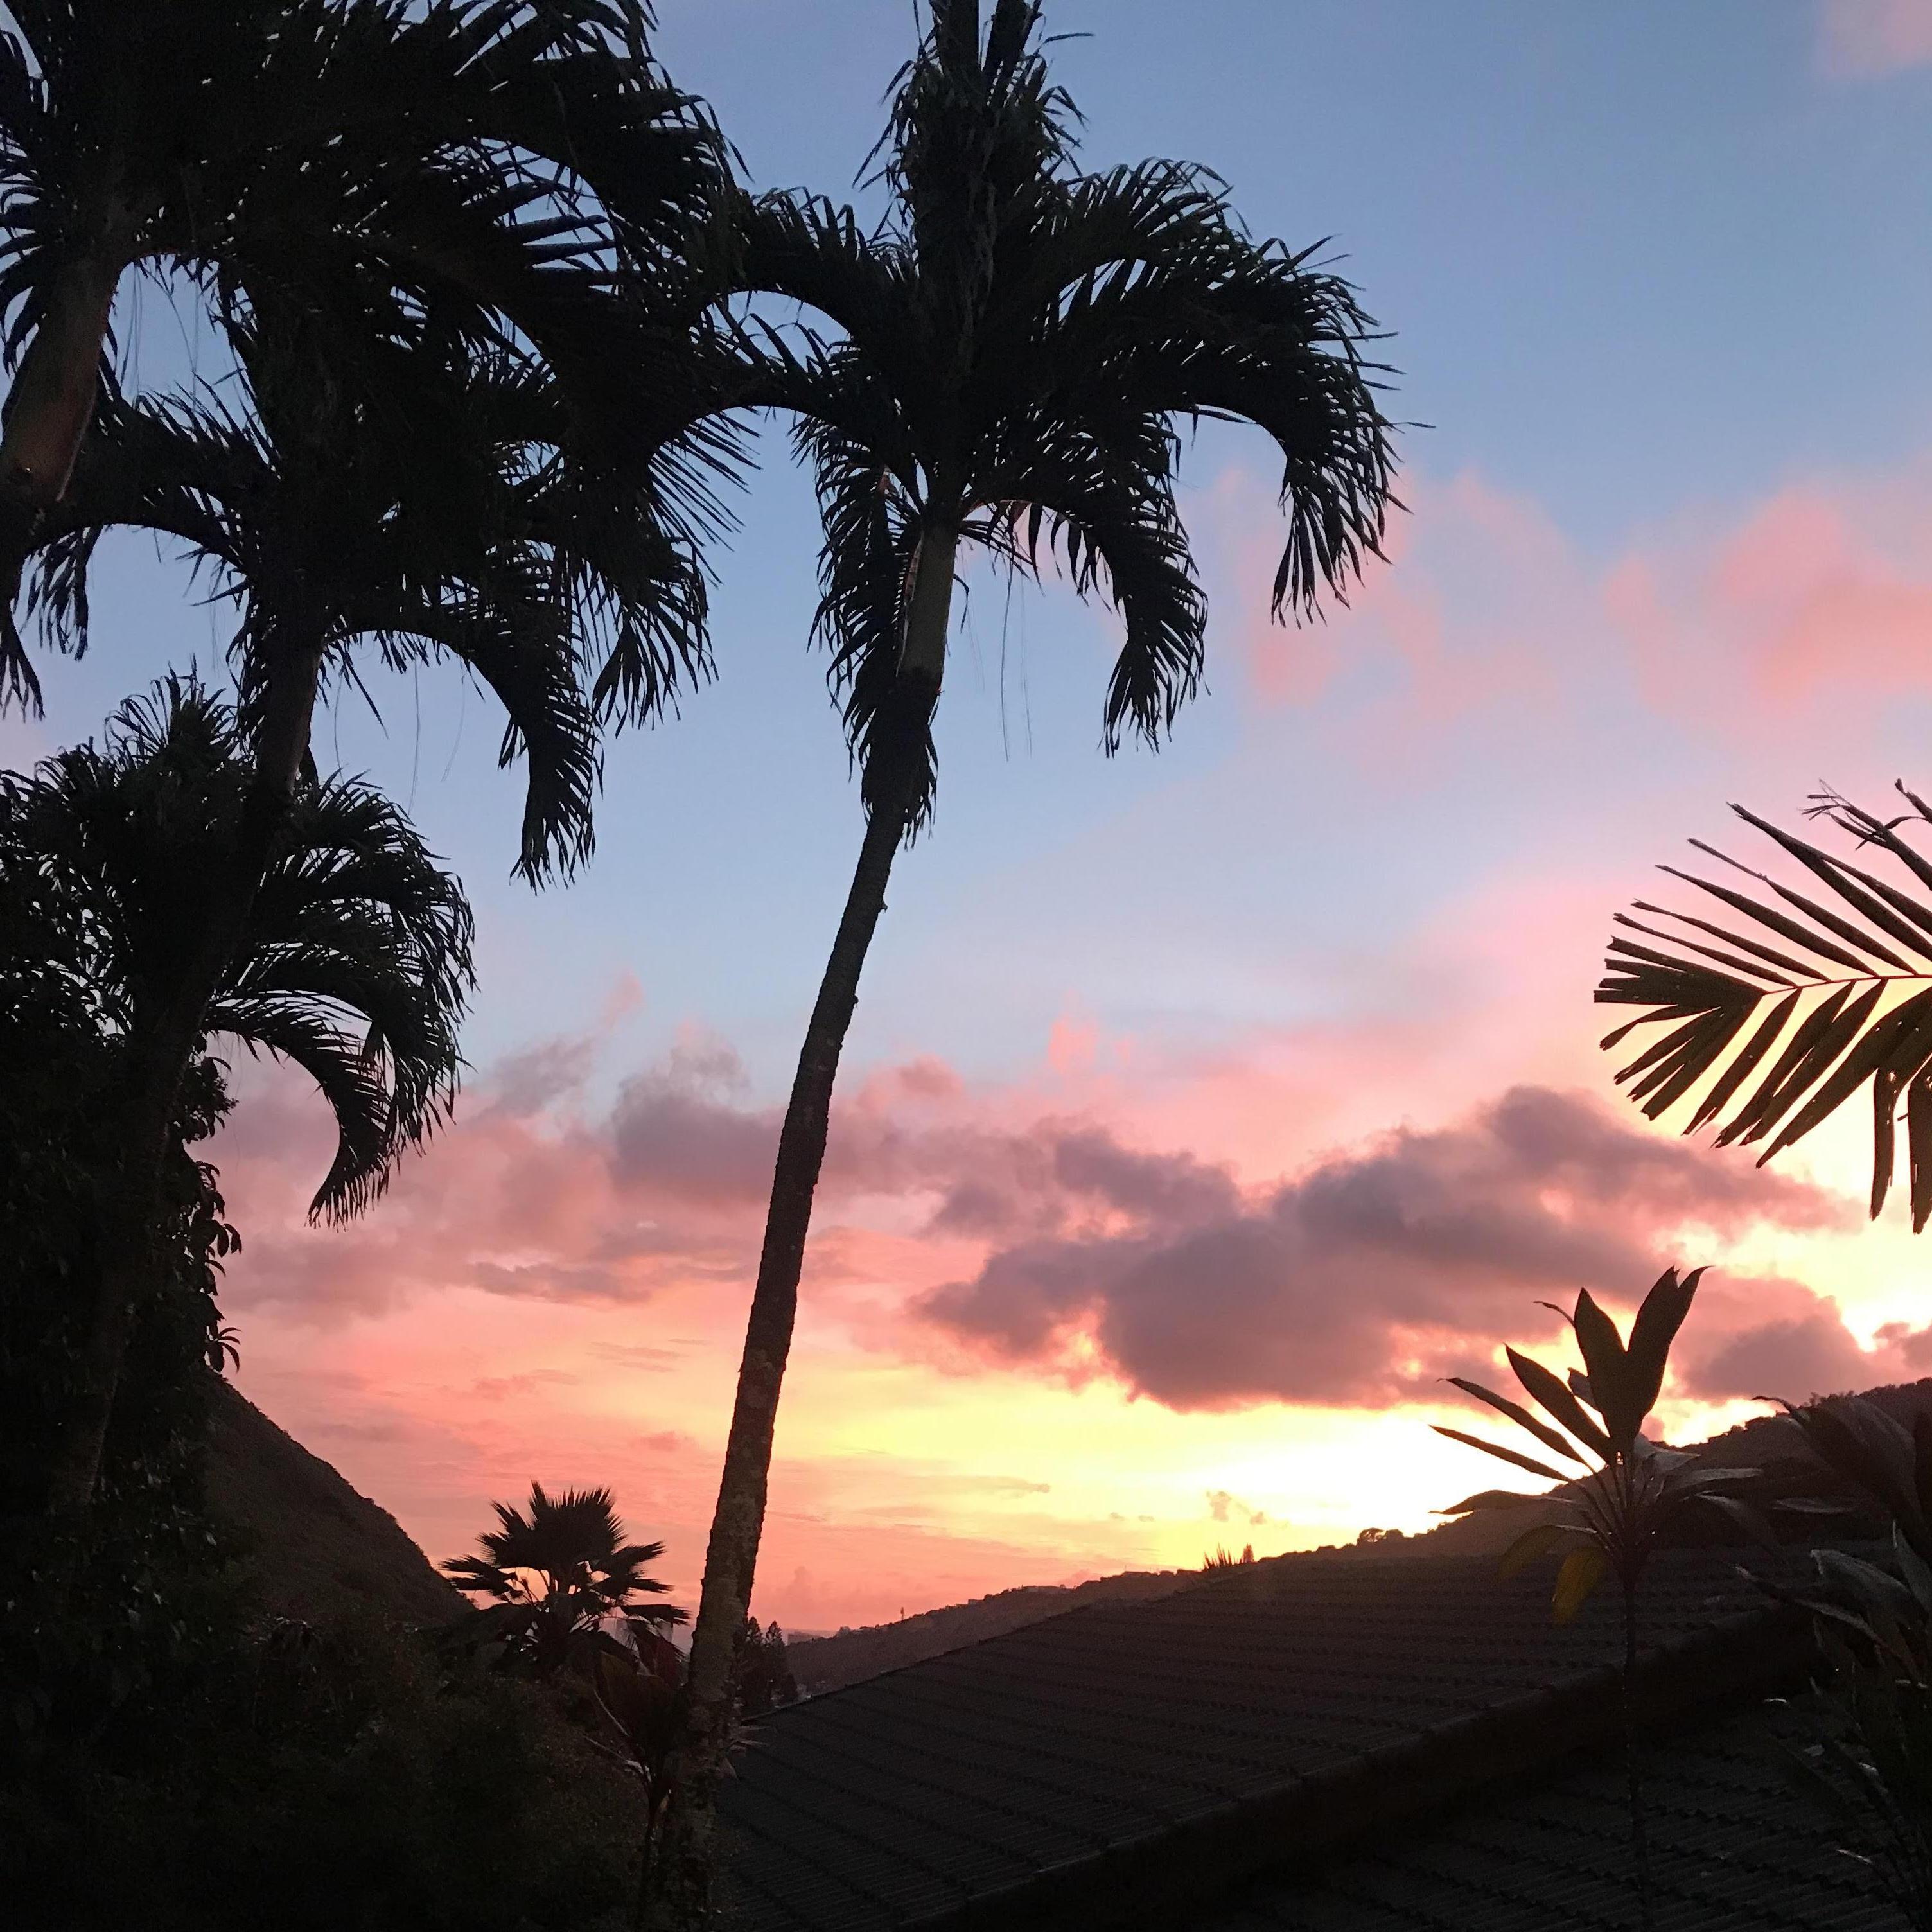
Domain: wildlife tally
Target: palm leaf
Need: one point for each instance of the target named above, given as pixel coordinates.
(1845, 1001)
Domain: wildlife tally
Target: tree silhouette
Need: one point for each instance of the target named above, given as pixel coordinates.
(471, 170)
(473, 527)
(353, 962)
(1004, 363)
(556, 1576)
(1607, 1520)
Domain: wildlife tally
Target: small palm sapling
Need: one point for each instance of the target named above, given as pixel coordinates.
(1608, 1519)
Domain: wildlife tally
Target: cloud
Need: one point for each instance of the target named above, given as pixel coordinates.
(1373, 1271)
(1767, 1336)
(495, 1388)
(1862, 38)
(1821, 588)
(1224, 1507)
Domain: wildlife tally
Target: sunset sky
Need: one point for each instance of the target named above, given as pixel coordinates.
(1202, 1111)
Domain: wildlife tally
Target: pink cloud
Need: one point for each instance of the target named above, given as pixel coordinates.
(1379, 1269)
(1860, 38)
(1413, 652)
(1820, 591)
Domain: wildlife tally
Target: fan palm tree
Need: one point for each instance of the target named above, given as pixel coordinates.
(493, 168)
(471, 528)
(1004, 363)
(554, 1577)
(353, 961)
(1827, 993)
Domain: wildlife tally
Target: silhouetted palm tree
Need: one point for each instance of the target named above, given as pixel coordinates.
(1004, 363)
(471, 528)
(353, 960)
(556, 1576)
(388, 169)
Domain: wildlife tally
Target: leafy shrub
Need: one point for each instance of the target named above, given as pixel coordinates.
(321, 1780)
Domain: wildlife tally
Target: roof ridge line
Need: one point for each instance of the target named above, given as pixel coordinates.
(1198, 1857)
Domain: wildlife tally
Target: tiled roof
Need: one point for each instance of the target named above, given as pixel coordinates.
(1733, 1848)
(1075, 1771)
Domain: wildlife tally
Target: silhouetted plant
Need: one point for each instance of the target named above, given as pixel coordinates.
(471, 170)
(762, 1672)
(468, 528)
(1005, 363)
(1872, 1769)
(555, 1578)
(353, 963)
(1827, 996)
(458, 252)
(1221, 1558)
(1608, 1520)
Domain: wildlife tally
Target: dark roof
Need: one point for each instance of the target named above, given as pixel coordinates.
(1733, 1848)
(1090, 1769)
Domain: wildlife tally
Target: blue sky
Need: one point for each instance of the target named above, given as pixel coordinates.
(1641, 264)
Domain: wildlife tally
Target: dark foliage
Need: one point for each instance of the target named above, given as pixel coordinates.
(1221, 1558)
(134, 1612)
(455, 512)
(1871, 1767)
(354, 963)
(762, 1672)
(1607, 1520)
(482, 172)
(316, 1779)
(555, 1579)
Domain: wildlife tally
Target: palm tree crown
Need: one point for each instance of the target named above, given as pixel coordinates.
(1011, 353)
(355, 961)
(483, 170)
(555, 1575)
(1005, 362)
(474, 525)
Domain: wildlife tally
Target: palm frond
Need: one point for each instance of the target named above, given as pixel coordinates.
(1788, 1000)
(1007, 360)
(354, 960)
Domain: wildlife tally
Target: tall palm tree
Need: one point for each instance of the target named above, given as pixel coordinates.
(353, 962)
(470, 527)
(493, 168)
(553, 1578)
(1819, 995)
(1003, 363)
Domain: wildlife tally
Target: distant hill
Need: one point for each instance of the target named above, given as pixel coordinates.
(846, 1657)
(313, 1548)
(825, 1663)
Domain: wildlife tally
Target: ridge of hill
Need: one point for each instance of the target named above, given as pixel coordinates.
(312, 1547)
(829, 1662)
(847, 1656)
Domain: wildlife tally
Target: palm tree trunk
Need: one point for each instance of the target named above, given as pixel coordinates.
(52, 400)
(681, 1870)
(161, 1055)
